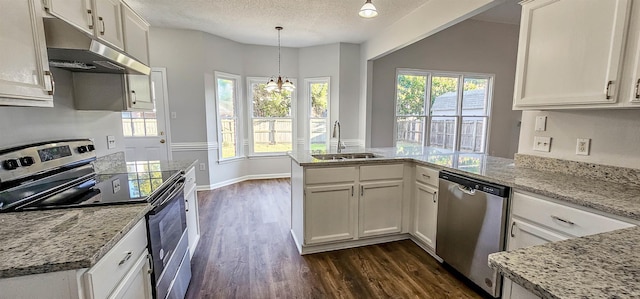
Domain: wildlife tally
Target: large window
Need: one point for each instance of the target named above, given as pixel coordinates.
(227, 100)
(271, 118)
(443, 110)
(318, 103)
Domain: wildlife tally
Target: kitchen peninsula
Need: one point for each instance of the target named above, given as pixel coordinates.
(609, 194)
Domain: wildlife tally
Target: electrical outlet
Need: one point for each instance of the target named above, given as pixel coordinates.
(111, 141)
(582, 146)
(542, 144)
(116, 185)
(203, 167)
(541, 123)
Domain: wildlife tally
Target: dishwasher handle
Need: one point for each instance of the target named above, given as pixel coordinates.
(467, 190)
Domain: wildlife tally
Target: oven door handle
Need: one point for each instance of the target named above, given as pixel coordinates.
(166, 197)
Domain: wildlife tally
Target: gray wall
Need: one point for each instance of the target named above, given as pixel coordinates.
(22, 125)
(615, 135)
(470, 46)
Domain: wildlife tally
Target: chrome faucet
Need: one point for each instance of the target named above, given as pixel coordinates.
(336, 133)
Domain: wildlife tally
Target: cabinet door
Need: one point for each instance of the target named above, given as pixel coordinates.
(329, 213)
(136, 35)
(137, 283)
(108, 19)
(426, 214)
(139, 92)
(75, 12)
(380, 208)
(633, 57)
(25, 79)
(193, 220)
(570, 53)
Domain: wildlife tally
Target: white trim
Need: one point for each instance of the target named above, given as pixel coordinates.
(231, 160)
(426, 248)
(302, 249)
(242, 179)
(193, 146)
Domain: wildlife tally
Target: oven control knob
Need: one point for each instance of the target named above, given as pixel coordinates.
(82, 149)
(27, 161)
(10, 164)
(91, 147)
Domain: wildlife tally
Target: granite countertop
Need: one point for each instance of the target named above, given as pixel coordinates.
(598, 266)
(62, 239)
(605, 265)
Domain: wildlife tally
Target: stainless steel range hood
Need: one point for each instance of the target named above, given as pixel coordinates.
(71, 49)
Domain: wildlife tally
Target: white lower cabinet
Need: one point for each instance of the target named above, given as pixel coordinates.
(425, 214)
(536, 220)
(191, 210)
(380, 208)
(350, 203)
(329, 213)
(123, 272)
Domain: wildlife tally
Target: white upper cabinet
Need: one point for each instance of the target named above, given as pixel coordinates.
(631, 86)
(136, 35)
(570, 53)
(108, 20)
(75, 12)
(25, 79)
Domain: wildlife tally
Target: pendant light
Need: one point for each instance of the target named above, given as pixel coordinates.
(368, 10)
(278, 84)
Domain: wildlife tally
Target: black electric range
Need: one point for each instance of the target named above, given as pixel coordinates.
(60, 174)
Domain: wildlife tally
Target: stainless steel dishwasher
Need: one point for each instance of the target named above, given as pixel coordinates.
(471, 225)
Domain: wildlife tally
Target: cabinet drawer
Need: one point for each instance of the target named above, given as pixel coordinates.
(426, 175)
(381, 172)
(102, 278)
(190, 181)
(330, 175)
(562, 218)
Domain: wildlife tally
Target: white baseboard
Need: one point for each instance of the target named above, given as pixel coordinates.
(244, 178)
(348, 244)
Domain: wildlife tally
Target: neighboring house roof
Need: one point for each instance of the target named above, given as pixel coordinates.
(473, 99)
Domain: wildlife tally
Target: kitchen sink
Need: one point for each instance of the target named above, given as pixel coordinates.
(346, 156)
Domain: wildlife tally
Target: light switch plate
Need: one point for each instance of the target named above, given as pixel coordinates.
(116, 185)
(582, 146)
(541, 123)
(542, 144)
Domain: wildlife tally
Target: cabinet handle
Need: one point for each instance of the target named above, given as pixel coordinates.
(562, 220)
(134, 97)
(351, 191)
(90, 18)
(435, 194)
(126, 258)
(638, 89)
(150, 259)
(103, 26)
(52, 89)
(606, 93)
(186, 201)
(361, 190)
(512, 225)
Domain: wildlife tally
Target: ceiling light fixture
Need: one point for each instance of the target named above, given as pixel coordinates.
(278, 83)
(368, 10)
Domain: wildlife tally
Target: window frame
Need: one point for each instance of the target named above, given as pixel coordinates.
(249, 115)
(237, 115)
(461, 76)
(307, 136)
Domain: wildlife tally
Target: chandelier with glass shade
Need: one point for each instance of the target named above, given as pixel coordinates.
(278, 83)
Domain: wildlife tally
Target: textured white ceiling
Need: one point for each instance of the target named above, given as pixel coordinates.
(306, 22)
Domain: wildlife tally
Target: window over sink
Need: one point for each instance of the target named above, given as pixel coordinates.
(443, 110)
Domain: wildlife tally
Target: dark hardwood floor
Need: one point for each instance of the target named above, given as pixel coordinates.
(246, 251)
